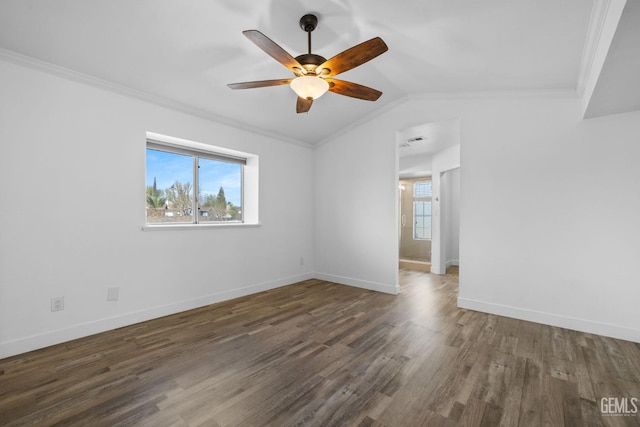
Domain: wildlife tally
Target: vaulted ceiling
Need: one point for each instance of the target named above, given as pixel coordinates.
(183, 53)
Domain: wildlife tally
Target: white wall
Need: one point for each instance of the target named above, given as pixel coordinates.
(549, 215)
(72, 166)
(356, 229)
(450, 203)
(443, 161)
(549, 208)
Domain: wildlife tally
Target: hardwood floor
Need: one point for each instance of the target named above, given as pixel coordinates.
(318, 353)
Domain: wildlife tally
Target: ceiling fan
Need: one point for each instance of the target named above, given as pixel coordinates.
(314, 74)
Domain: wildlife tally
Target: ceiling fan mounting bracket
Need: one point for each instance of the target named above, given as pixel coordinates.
(308, 22)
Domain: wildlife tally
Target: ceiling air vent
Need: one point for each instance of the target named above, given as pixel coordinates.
(410, 142)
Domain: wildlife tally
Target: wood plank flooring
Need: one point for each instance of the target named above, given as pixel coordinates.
(321, 354)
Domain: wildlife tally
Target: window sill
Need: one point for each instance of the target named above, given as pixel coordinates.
(175, 227)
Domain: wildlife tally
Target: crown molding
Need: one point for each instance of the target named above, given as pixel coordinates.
(82, 78)
(501, 94)
(68, 74)
(498, 94)
(592, 40)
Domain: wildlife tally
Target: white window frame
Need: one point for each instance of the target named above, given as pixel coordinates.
(249, 180)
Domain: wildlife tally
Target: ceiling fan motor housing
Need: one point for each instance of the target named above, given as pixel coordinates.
(310, 61)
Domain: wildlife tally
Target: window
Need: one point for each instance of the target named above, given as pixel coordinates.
(422, 193)
(186, 184)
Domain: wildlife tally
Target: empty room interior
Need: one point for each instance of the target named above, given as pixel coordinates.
(435, 224)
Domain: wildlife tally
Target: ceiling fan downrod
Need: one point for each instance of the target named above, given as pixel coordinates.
(309, 61)
(308, 23)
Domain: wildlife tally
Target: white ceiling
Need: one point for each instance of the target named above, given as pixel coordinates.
(185, 52)
(428, 138)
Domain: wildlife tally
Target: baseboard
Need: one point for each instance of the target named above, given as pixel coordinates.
(452, 262)
(372, 286)
(415, 265)
(581, 325)
(34, 342)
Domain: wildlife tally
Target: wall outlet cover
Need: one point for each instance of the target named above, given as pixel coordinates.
(57, 304)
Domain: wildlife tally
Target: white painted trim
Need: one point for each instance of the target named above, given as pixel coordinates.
(34, 342)
(451, 262)
(364, 284)
(594, 32)
(201, 226)
(497, 94)
(611, 15)
(66, 73)
(582, 325)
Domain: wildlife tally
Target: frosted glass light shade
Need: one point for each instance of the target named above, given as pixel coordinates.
(309, 87)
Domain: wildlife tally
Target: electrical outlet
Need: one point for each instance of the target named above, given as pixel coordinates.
(113, 294)
(57, 303)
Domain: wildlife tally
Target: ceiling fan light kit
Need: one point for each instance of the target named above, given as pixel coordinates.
(313, 73)
(309, 87)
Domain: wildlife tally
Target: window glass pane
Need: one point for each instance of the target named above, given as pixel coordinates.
(427, 207)
(422, 219)
(169, 187)
(427, 230)
(422, 189)
(220, 191)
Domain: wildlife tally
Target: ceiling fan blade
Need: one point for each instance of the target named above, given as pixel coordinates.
(303, 105)
(353, 57)
(259, 83)
(353, 90)
(274, 50)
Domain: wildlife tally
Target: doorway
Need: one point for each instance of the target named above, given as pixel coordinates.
(450, 220)
(429, 152)
(415, 223)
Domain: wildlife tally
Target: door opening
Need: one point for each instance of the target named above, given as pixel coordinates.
(450, 221)
(415, 223)
(429, 152)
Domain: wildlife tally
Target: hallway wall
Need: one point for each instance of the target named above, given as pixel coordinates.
(450, 194)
